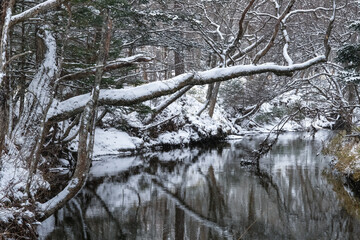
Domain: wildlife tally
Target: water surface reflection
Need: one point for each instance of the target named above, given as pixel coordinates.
(212, 193)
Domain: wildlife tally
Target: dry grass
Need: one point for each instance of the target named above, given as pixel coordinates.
(347, 152)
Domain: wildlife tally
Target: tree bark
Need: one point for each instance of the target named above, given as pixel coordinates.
(213, 99)
(29, 129)
(3, 120)
(179, 62)
(213, 90)
(7, 6)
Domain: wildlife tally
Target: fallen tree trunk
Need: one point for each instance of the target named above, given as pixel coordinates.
(125, 97)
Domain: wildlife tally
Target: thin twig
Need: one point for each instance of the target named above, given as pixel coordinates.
(243, 234)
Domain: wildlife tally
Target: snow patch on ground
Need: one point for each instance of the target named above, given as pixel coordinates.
(178, 124)
(174, 138)
(111, 141)
(13, 178)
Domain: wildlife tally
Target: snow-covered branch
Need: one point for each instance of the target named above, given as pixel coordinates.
(42, 7)
(116, 64)
(299, 11)
(217, 26)
(285, 35)
(286, 46)
(65, 109)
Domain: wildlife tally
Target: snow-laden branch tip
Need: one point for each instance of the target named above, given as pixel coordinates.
(60, 198)
(285, 35)
(217, 26)
(286, 47)
(124, 97)
(298, 11)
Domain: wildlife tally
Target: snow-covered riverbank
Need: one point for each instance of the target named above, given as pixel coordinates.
(181, 125)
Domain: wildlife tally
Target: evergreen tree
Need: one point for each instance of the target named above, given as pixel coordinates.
(349, 55)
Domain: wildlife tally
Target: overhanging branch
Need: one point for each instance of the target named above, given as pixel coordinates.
(124, 97)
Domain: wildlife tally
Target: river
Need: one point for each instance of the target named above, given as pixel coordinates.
(213, 193)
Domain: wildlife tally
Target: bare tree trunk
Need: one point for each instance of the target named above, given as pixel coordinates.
(213, 90)
(351, 88)
(213, 99)
(6, 13)
(3, 119)
(22, 79)
(211, 63)
(179, 62)
(179, 223)
(86, 133)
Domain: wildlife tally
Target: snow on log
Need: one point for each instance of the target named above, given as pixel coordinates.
(122, 97)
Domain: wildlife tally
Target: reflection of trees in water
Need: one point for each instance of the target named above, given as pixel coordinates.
(193, 213)
(74, 217)
(216, 205)
(304, 202)
(222, 201)
(350, 206)
(118, 233)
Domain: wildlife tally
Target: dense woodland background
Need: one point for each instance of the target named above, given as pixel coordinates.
(67, 67)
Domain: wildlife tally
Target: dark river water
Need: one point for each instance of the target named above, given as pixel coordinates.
(213, 193)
